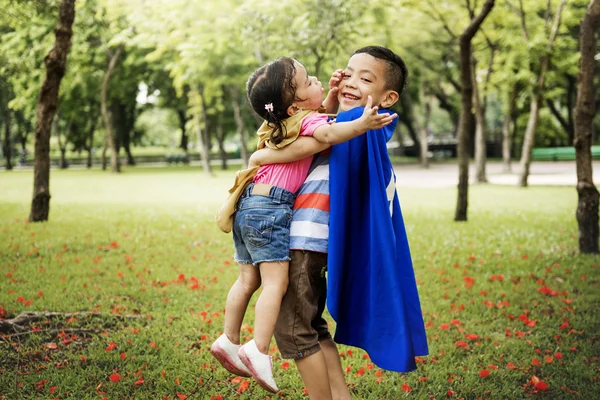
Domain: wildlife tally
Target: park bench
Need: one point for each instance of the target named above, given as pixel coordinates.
(177, 158)
(559, 153)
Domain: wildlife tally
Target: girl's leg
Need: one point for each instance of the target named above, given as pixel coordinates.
(238, 298)
(274, 277)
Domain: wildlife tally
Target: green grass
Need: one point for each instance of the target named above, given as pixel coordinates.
(144, 243)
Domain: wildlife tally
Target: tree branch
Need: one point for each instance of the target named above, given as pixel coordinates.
(521, 14)
(440, 18)
(22, 321)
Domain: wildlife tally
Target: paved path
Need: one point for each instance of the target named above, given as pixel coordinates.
(561, 173)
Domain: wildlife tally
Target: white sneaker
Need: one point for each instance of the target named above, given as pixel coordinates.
(227, 354)
(259, 364)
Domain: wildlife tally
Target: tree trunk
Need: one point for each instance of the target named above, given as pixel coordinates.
(7, 147)
(23, 129)
(104, 160)
(201, 142)
(571, 94)
(506, 131)
(123, 119)
(480, 145)
(56, 62)
(567, 126)
(464, 125)
(62, 145)
(110, 139)
(407, 117)
(506, 158)
(240, 126)
(424, 133)
(183, 145)
(536, 100)
(205, 132)
(90, 146)
(585, 110)
(221, 143)
(445, 104)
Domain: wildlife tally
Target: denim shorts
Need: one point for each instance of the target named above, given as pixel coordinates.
(261, 226)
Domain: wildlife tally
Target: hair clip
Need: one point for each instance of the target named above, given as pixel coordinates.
(269, 107)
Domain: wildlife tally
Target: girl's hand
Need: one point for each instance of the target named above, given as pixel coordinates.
(256, 159)
(372, 120)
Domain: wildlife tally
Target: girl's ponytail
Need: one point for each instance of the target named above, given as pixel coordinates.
(271, 91)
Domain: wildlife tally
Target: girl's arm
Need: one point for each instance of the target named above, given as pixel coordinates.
(301, 148)
(344, 131)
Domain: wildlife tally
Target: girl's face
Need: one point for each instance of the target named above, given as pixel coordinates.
(309, 91)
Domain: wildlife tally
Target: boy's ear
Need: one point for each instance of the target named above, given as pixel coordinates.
(389, 99)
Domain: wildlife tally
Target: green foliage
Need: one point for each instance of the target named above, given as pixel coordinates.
(160, 127)
(178, 46)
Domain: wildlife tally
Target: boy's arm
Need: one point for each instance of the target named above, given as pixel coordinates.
(301, 148)
(341, 132)
(331, 102)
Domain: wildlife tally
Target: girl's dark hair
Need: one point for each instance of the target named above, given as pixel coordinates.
(273, 83)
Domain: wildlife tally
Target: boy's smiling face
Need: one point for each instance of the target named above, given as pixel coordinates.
(365, 75)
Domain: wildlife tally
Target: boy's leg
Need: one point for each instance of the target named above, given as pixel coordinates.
(295, 332)
(274, 277)
(337, 381)
(238, 298)
(314, 372)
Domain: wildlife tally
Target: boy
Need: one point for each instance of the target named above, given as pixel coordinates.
(301, 332)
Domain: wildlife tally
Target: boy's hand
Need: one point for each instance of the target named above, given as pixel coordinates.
(335, 80)
(372, 120)
(331, 102)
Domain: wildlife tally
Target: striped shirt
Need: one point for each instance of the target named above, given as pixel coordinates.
(310, 224)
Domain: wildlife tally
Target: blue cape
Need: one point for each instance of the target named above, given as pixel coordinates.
(372, 292)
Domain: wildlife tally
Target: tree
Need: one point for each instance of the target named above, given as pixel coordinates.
(480, 96)
(56, 63)
(464, 125)
(424, 133)
(537, 91)
(585, 109)
(7, 145)
(109, 137)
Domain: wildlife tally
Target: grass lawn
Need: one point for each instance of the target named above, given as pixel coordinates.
(512, 310)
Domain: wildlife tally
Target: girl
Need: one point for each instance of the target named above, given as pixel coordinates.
(287, 98)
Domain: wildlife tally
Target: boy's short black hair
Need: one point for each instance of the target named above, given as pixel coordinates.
(396, 71)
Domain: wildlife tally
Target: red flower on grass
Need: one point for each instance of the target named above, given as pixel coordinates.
(243, 386)
(115, 377)
(538, 384)
(483, 373)
(469, 281)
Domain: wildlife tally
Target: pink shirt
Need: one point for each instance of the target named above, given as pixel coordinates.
(291, 176)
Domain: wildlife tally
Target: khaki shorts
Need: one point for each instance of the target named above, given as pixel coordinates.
(300, 325)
